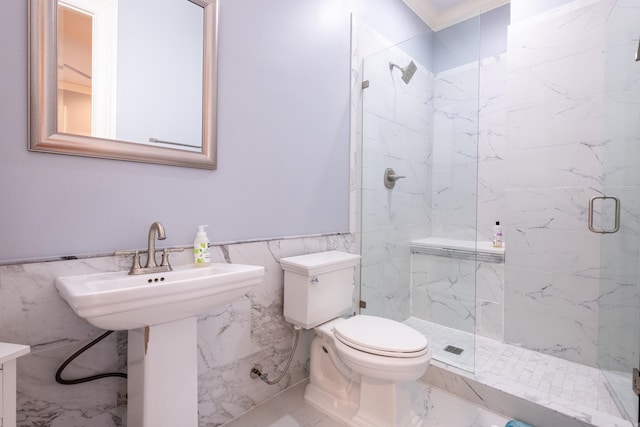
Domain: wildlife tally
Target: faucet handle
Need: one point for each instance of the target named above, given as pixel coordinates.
(136, 261)
(165, 256)
(135, 266)
(125, 253)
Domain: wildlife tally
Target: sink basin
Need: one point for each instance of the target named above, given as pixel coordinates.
(118, 301)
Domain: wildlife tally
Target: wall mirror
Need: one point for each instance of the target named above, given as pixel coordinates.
(128, 80)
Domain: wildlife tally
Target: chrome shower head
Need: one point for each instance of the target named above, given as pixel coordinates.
(407, 73)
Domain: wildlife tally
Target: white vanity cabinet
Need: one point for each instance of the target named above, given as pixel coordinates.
(8, 355)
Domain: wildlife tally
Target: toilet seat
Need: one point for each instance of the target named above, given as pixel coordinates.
(380, 336)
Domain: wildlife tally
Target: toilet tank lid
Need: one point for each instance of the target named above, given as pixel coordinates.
(318, 263)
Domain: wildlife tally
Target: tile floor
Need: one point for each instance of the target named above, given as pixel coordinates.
(559, 378)
(517, 369)
(441, 409)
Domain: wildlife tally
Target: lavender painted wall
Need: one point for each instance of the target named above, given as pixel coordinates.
(283, 141)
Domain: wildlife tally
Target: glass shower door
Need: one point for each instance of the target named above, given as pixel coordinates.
(396, 136)
(420, 119)
(619, 300)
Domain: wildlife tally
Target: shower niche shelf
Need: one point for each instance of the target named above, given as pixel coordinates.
(463, 249)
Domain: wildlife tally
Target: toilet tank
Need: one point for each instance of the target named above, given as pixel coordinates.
(318, 287)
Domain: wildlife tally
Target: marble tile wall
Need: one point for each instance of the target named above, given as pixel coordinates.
(444, 291)
(491, 204)
(230, 339)
(490, 300)
(459, 293)
(492, 145)
(455, 148)
(569, 141)
(469, 163)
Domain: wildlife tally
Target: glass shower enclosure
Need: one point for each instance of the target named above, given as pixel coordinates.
(420, 125)
(547, 142)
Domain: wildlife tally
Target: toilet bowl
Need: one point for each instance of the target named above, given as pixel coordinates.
(361, 366)
(360, 370)
(381, 348)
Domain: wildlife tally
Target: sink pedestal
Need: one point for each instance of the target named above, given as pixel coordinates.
(163, 375)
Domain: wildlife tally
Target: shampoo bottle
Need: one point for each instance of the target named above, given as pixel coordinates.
(497, 235)
(201, 255)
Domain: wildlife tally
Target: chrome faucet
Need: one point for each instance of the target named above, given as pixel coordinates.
(158, 228)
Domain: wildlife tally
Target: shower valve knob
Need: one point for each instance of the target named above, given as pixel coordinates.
(390, 178)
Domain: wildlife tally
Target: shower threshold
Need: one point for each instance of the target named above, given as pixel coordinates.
(540, 389)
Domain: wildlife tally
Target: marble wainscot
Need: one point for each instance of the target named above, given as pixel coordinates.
(230, 339)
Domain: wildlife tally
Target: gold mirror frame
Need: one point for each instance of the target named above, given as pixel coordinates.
(43, 133)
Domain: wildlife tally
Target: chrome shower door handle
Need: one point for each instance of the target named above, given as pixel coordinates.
(616, 225)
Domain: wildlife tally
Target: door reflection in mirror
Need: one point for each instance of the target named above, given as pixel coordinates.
(74, 71)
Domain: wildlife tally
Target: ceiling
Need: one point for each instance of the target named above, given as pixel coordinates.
(439, 14)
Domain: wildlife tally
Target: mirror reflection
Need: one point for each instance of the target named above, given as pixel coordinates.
(131, 71)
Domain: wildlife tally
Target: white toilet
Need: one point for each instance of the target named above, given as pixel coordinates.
(360, 366)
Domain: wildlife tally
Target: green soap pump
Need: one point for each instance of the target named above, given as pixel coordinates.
(201, 254)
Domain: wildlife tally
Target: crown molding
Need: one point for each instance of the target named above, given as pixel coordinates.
(425, 11)
(438, 19)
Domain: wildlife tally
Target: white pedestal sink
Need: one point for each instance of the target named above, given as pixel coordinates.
(159, 310)
(162, 383)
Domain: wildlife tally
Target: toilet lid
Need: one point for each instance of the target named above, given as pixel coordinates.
(381, 336)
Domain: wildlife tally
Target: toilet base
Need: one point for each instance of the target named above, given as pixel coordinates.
(385, 404)
(350, 413)
(362, 402)
(339, 409)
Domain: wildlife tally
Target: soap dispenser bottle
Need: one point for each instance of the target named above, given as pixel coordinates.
(201, 255)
